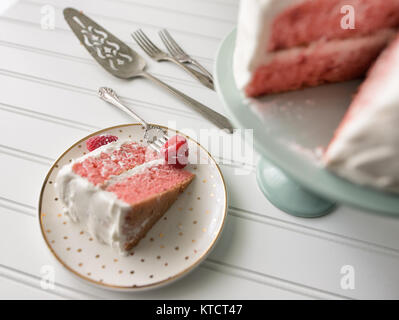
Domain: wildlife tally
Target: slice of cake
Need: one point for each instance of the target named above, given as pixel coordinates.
(291, 44)
(119, 191)
(365, 148)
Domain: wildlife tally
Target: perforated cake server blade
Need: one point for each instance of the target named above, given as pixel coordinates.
(123, 62)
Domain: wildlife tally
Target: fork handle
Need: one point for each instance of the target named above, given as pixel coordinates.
(216, 118)
(199, 66)
(206, 80)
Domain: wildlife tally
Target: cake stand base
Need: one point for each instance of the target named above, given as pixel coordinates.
(288, 195)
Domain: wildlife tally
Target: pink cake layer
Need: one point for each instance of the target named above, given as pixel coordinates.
(321, 19)
(153, 181)
(100, 168)
(322, 62)
(369, 89)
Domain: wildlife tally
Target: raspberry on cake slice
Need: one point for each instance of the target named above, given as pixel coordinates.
(119, 191)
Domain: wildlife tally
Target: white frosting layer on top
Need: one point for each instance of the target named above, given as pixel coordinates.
(255, 21)
(99, 212)
(366, 150)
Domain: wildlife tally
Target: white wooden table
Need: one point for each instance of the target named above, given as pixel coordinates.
(48, 100)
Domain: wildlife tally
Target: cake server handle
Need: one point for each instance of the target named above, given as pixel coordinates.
(110, 96)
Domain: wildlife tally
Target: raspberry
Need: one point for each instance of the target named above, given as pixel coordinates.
(175, 151)
(97, 141)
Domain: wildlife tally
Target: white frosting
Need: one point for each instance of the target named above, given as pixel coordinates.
(366, 151)
(99, 212)
(253, 35)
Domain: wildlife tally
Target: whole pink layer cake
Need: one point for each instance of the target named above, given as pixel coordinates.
(286, 45)
(119, 191)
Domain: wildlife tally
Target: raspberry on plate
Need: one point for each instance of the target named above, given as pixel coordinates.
(97, 141)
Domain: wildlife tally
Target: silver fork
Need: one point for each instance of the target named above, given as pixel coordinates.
(155, 136)
(158, 55)
(178, 53)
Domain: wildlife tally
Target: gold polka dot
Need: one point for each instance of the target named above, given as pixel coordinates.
(43, 214)
(162, 246)
(186, 258)
(132, 253)
(180, 208)
(56, 199)
(79, 250)
(84, 153)
(120, 130)
(203, 229)
(48, 230)
(89, 274)
(97, 256)
(158, 257)
(81, 232)
(90, 239)
(166, 264)
(151, 239)
(50, 182)
(120, 271)
(132, 272)
(80, 146)
(180, 233)
(80, 264)
(151, 276)
(193, 241)
(190, 209)
(195, 168)
(207, 212)
(115, 260)
(195, 222)
(52, 241)
(161, 235)
(103, 266)
(176, 248)
(65, 237)
(165, 218)
(204, 181)
(130, 135)
(101, 280)
(142, 260)
(56, 166)
(198, 198)
(68, 249)
(64, 222)
(180, 226)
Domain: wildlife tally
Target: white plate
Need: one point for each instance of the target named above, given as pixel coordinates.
(175, 245)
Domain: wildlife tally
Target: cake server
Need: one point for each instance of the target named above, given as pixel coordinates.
(123, 62)
(155, 136)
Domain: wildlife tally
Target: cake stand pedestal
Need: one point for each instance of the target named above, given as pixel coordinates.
(288, 195)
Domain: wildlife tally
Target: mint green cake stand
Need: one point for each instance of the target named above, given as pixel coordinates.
(290, 130)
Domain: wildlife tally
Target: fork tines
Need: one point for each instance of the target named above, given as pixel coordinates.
(170, 43)
(145, 43)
